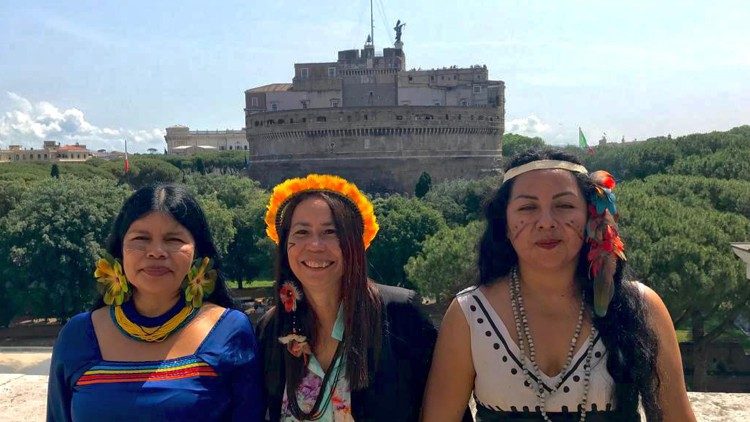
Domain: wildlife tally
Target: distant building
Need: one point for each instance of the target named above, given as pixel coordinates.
(50, 152)
(367, 118)
(183, 141)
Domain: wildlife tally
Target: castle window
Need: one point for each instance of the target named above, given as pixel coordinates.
(399, 117)
(334, 102)
(221, 148)
(320, 119)
(447, 117)
(331, 72)
(305, 103)
(291, 121)
(477, 89)
(245, 147)
(304, 120)
(280, 121)
(230, 147)
(304, 73)
(464, 103)
(254, 102)
(274, 107)
(410, 79)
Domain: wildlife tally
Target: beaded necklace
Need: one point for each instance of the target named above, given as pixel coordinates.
(529, 365)
(134, 325)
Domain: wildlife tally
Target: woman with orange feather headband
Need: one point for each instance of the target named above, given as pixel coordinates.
(337, 346)
(552, 330)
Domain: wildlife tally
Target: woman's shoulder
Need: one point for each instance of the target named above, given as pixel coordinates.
(229, 321)
(394, 295)
(78, 328)
(76, 340)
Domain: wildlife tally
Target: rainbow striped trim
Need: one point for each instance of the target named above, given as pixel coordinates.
(114, 372)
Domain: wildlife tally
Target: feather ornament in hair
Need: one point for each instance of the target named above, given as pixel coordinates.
(605, 244)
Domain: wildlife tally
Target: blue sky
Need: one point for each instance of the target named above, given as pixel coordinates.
(97, 72)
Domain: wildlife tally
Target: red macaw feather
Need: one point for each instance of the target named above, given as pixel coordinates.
(606, 265)
(603, 178)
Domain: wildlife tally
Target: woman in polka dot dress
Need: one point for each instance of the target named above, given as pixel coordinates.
(552, 330)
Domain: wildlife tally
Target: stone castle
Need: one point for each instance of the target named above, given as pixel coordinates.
(366, 118)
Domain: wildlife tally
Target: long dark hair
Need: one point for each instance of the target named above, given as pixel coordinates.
(625, 331)
(360, 298)
(175, 200)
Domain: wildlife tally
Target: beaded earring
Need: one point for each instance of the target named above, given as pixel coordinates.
(295, 342)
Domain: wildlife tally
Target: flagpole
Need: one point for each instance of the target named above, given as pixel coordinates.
(127, 163)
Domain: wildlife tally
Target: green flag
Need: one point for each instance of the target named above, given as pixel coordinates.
(582, 139)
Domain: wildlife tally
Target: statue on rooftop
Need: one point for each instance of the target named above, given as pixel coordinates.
(398, 29)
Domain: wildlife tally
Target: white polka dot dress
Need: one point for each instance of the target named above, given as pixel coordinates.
(500, 387)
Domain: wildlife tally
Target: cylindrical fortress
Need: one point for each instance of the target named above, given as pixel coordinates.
(381, 149)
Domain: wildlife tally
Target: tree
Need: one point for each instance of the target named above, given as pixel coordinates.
(55, 172)
(250, 253)
(423, 185)
(49, 243)
(683, 253)
(10, 193)
(404, 224)
(461, 200)
(447, 262)
(514, 144)
(146, 171)
(220, 222)
(199, 166)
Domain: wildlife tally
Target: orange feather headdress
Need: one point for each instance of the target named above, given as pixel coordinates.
(286, 190)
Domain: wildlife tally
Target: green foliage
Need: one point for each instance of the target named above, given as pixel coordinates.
(250, 253)
(423, 185)
(144, 171)
(698, 192)
(49, 242)
(223, 162)
(680, 250)
(461, 200)
(220, 222)
(232, 191)
(24, 171)
(10, 194)
(700, 154)
(731, 163)
(404, 224)
(514, 143)
(447, 262)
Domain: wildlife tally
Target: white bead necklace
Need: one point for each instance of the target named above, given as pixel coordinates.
(529, 365)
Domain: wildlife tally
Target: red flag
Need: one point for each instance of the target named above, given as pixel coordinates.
(127, 163)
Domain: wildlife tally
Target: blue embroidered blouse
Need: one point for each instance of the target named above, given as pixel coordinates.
(221, 381)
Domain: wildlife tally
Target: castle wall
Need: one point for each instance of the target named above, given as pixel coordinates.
(382, 149)
(375, 129)
(381, 174)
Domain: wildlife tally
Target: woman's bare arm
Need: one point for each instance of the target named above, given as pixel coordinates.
(451, 378)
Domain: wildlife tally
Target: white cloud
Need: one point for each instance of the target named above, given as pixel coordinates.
(527, 126)
(29, 124)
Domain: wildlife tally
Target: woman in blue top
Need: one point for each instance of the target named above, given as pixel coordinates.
(153, 348)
